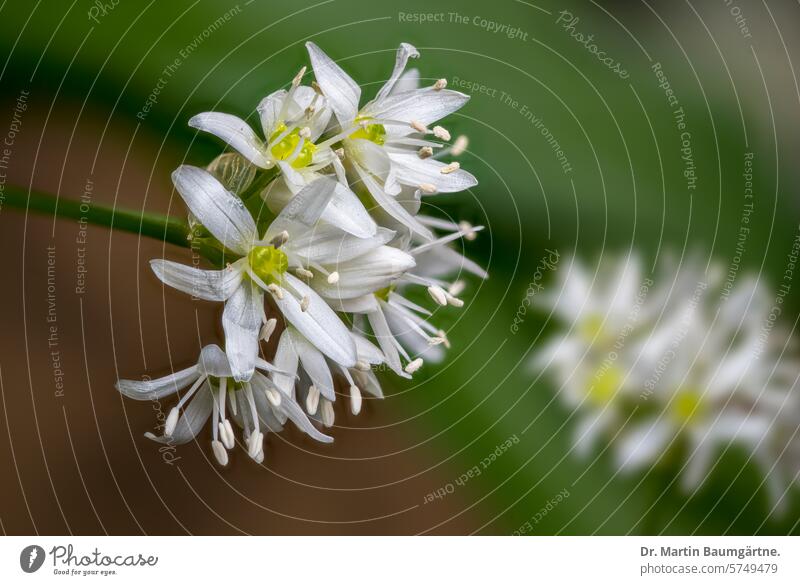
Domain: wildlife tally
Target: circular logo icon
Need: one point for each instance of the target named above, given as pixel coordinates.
(31, 558)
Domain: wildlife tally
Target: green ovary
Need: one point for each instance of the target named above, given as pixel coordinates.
(383, 294)
(287, 145)
(687, 406)
(268, 263)
(605, 385)
(373, 132)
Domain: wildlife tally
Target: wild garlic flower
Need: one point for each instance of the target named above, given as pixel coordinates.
(385, 144)
(296, 240)
(257, 405)
(674, 368)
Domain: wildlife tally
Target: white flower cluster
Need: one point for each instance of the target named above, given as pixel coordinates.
(316, 231)
(677, 371)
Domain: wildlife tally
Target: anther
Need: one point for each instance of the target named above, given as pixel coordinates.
(268, 329)
(226, 434)
(419, 126)
(280, 239)
(428, 188)
(425, 152)
(413, 366)
(451, 168)
(305, 132)
(438, 294)
(255, 443)
(312, 400)
(440, 84)
(355, 400)
(220, 453)
(299, 77)
(273, 396)
(457, 288)
(441, 133)
(304, 302)
(459, 146)
(327, 413)
(276, 290)
(333, 278)
(465, 226)
(303, 273)
(172, 421)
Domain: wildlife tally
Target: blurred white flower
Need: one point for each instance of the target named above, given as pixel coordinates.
(674, 367)
(257, 405)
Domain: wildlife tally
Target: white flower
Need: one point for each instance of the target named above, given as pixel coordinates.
(291, 121)
(657, 368)
(257, 406)
(315, 382)
(295, 240)
(384, 141)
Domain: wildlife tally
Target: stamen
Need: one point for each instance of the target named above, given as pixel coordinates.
(355, 399)
(457, 288)
(460, 145)
(413, 366)
(303, 273)
(312, 400)
(226, 434)
(333, 278)
(220, 453)
(453, 300)
(276, 290)
(299, 77)
(363, 366)
(438, 294)
(427, 188)
(305, 132)
(172, 421)
(255, 443)
(441, 333)
(306, 300)
(451, 168)
(280, 239)
(425, 152)
(419, 126)
(465, 226)
(441, 133)
(268, 329)
(328, 415)
(440, 84)
(435, 341)
(273, 396)
(317, 88)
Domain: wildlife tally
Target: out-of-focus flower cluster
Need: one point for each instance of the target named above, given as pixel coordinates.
(675, 369)
(314, 226)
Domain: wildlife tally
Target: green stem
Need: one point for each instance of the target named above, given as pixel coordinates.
(153, 225)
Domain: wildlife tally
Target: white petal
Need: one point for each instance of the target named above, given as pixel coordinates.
(318, 324)
(326, 244)
(391, 206)
(366, 350)
(314, 365)
(342, 92)
(404, 53)
(285, 360)
(643, 444)
(214, 362)
(409, 169)
(234, 131)
(346, 212)
(425, 105)
(192, 419)
(221, 212)
(385, 340)
(157, 389)
(299, 418)
(366, 273)
(270, 108)
(365, 304)
(241, 321)
(210, 285)
(408, 81)
(306, 207)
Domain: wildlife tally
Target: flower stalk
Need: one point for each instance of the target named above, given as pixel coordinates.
(153, 225)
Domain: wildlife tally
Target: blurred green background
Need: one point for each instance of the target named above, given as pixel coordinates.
(90, 69)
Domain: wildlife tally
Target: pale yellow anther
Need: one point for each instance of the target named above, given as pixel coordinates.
(440, 84)
(425, 152)
(428, 188)
(459, 146)
(441, 133)
(451, 168)
(419, 126)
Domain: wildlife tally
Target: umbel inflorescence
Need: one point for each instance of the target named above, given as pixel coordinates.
(314, 224)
